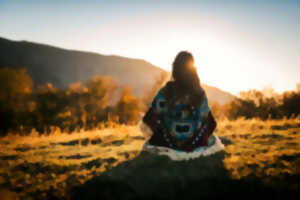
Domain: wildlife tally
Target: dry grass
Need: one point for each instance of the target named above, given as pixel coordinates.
(39, 163)
(262, 148)
(31, 166)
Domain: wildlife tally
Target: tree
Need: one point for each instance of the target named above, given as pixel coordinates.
(290, 104)
(15, 91)
(99, 95)
(128, 108)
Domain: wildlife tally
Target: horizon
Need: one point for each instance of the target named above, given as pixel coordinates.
(230, 41)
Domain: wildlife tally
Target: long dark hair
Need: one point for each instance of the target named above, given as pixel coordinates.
(185, 79)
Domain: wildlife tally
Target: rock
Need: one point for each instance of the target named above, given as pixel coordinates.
(153, 176)
(104, 188)
(150, 176)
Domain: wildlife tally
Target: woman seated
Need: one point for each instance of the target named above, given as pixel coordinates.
(179, 122)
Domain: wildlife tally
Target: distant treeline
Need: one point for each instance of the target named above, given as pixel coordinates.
(257, 104)
(100, 102)
(80, 106)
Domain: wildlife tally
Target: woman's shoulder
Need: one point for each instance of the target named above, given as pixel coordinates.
(170, 84)
(168, 88)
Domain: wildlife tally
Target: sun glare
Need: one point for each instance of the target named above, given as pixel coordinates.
(222, 62)
(215, 59)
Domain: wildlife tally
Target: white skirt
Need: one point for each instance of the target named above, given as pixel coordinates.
(178, 155)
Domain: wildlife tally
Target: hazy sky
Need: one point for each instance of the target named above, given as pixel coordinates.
(237, 45)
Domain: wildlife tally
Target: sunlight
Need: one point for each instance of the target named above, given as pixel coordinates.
(218, 60)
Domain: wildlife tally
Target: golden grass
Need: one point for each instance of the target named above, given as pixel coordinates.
(270, 147)
(32, 164)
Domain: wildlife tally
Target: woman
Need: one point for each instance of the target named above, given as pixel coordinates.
(179, 122)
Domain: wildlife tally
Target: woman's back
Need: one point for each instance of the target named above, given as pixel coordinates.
(179, 119)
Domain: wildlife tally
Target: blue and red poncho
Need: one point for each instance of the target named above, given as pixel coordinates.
(179, 129)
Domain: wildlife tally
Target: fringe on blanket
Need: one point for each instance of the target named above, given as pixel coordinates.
(178, 155)
(145, 129)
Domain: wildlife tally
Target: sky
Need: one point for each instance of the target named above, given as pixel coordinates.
(237, 44)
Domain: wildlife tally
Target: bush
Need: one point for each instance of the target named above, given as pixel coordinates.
(81, 106)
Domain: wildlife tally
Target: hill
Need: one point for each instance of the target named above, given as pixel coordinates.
(61, 67)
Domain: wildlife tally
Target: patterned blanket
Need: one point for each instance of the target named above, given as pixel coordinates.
(179, 126)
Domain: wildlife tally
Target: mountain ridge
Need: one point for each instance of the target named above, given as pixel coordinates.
(61, 66)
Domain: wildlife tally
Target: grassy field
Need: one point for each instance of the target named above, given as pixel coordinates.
(259, 156)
